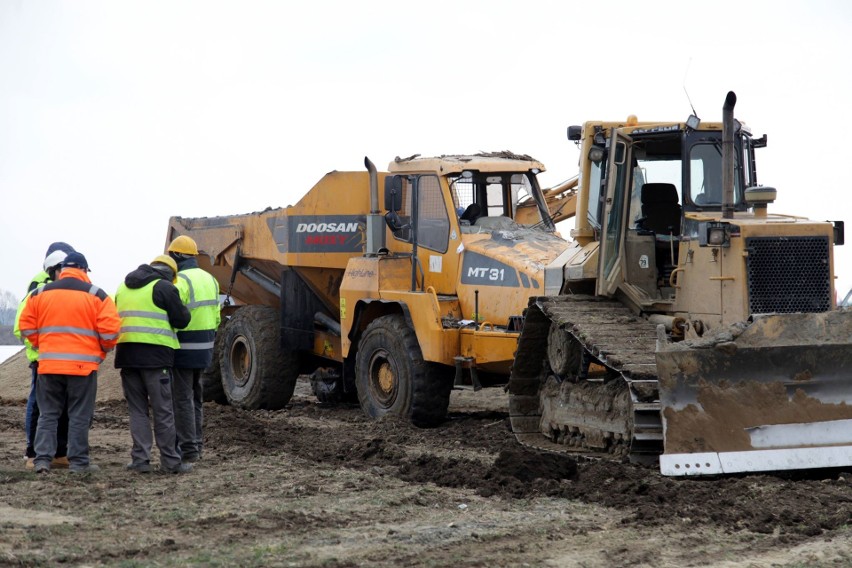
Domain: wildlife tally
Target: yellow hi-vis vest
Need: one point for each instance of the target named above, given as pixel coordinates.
(142, 321)
(200, 292)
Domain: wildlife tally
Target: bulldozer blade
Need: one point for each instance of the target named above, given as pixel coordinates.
(771, 394)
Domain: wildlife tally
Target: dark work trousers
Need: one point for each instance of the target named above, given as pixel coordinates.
(144, 387)
(31, 421)
(73, 393)
(189, 413)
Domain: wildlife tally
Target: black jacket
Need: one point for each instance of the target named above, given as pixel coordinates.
(165, 296)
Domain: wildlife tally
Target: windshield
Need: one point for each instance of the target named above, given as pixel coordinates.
(493, 195)
(705, 182)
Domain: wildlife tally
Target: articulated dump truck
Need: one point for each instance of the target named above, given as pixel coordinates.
(690, 321)
(392, 301)
(683, 323)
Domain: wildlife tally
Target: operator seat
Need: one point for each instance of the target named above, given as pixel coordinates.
(472, 213)
(660, 209)
(661, 214)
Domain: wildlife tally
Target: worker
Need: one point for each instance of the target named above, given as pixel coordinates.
(199, 290)
(72, 324)
(53, 258)
(151, 310)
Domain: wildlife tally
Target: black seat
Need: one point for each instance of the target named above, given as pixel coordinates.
(472, 213)
(660, 209)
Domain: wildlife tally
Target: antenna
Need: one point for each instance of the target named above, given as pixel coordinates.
(688, 63)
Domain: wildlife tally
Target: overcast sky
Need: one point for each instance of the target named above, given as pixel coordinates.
(116, 115)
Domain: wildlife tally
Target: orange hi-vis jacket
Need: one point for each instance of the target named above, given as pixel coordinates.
(72, 323)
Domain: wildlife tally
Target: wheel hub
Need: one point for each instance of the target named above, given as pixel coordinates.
(383, 381)
(240, 361)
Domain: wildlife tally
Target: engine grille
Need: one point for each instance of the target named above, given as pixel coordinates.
(788, 274)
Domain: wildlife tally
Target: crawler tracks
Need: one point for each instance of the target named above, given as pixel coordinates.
(585, 379)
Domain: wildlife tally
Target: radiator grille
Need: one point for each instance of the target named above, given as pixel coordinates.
(788, 274)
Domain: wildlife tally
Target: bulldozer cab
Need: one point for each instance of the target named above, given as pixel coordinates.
(647, 187)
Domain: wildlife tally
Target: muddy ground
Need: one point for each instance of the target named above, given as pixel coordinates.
(312, 485)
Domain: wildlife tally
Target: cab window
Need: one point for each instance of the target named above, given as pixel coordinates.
(433, 223)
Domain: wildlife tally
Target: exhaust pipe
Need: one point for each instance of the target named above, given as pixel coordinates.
(375, 221)
(728, 156)
(374, 185)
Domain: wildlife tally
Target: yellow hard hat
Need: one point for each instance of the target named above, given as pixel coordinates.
(183, 245)
(168, 261)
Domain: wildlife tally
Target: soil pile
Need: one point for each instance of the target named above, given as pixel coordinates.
(15, 376)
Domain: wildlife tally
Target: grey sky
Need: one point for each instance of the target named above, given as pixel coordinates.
(116, 115)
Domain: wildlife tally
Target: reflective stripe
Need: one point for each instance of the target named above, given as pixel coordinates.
(184, 345)
(28, 332)
(69, 329)
(69, 357)
(202, 303)
(151, 330)
(142, 314)
(191, 289)
(108, 336)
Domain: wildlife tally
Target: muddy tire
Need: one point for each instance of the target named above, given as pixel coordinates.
(211, 378)
(256, 372)
(392, 377)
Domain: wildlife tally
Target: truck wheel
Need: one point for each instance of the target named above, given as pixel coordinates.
(256, 372)
(392, 377)
(211, 378)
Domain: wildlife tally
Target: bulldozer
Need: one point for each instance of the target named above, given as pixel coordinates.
(391, 298)
(692, 327)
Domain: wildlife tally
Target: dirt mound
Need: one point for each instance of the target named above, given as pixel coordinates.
(15, 379)
(527, 465)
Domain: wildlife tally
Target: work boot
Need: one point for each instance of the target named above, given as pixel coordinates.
(42, 468)
(30, 463)
(192, 458)
(91, 468)
(180, 468)
(61, 462)
(139, 467)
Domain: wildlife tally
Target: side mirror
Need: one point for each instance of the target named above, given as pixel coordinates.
(393, 194)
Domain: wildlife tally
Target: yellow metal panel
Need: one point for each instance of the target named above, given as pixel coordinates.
(327, 345)
(493, 351)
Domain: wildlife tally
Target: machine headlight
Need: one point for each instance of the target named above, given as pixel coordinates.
(596, 154)
(693, 122)
(714, 234)
(717, 236)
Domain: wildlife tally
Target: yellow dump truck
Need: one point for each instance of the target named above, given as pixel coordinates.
(390, 296)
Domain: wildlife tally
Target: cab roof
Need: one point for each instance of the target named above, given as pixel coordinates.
(455, 163)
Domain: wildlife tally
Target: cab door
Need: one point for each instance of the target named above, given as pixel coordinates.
(425, 211)
(611, 251)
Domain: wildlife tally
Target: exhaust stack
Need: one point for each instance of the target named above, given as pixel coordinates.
(375, 221)
(728, 156)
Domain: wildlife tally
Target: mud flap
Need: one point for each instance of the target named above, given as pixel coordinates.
(768, 395)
